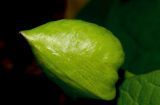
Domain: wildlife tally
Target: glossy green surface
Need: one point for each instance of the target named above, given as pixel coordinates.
(82, 55)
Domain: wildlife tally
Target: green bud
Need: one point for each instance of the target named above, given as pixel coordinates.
(81, 57)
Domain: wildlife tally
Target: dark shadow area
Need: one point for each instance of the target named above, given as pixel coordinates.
(21, 80)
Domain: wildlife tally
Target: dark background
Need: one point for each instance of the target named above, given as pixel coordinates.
(21, 80)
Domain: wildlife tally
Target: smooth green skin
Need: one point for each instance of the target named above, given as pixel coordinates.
(141, 90)
(83, 55)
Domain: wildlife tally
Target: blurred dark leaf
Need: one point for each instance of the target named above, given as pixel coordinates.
(136, 23)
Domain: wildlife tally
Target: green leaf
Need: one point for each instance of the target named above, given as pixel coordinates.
(81, 57)
(141, 90)
(136, 23)
(128, 74)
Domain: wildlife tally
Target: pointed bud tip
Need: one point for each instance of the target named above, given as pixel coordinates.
(24, 34)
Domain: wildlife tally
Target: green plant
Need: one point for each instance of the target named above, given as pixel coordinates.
(84, 62)
(136, 25)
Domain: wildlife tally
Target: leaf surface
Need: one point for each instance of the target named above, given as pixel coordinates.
(141, 90)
